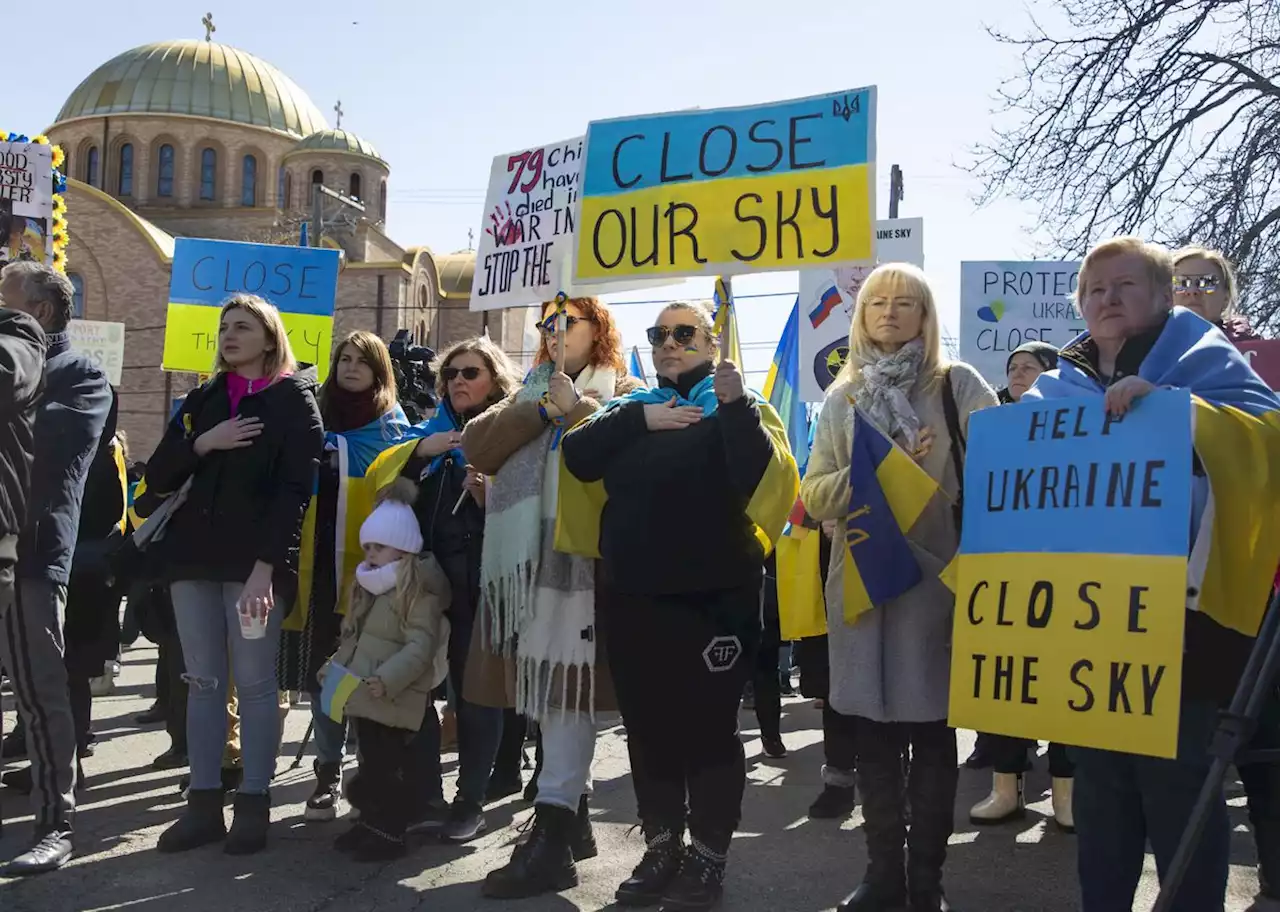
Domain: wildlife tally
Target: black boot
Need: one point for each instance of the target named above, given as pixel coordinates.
(531, 790)
(884, 885)
(664, 850)
(700, 882)
(1266, 835)
(542, 865)
(199, 825)
(932, 789)
(248, 834)
(584, 837)
(323, 803)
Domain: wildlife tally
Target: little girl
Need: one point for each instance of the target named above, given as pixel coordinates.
(394, 639)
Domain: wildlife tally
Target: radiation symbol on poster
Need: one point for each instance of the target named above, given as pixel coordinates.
(829, 361)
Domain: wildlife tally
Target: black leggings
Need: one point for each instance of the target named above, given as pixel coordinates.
(1009, 755)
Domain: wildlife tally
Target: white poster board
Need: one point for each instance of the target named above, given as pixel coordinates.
(1005, 304)
(103, 343)
(827, 298)
(26, 202)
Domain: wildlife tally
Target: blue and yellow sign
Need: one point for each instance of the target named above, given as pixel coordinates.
(302, 283)
(768, 187)
(1072, 574)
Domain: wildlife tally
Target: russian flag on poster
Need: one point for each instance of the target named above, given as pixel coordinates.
(829, 301)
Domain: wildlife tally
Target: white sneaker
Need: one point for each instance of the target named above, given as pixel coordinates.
(1006, 801)
(1062, 804)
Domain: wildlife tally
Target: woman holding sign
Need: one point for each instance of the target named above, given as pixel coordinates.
(890, 662)
(538, 605)
(700, 481)
(241, 454)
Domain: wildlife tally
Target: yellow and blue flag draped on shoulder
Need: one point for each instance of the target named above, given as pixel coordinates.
(1236, 431)
(369, 458)
(887, 493)
(580, 504)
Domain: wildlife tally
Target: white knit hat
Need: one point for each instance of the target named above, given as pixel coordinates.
(394, 524)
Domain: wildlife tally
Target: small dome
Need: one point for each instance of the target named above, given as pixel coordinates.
(196, 78)
(340, 141)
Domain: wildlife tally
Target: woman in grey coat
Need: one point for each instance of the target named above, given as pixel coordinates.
(891, 667)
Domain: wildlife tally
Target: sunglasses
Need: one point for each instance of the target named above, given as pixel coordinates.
(548, 326)
(1191, 284)
(468, 373)
(684, 334)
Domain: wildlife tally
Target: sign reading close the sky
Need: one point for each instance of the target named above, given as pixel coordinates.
(301, 282)
(777, 186)
(103, 343)
(26, 202)
(827, 299)
(1072, 573)
(1005, 304)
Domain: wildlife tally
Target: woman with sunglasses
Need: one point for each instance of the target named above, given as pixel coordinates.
(537, 627)
(1204, 281)
(700, 481)
(473, 375)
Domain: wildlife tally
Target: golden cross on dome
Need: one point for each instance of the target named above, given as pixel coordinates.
(337, 109)
(209, 27)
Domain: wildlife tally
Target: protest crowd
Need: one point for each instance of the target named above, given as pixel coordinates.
(518, 555)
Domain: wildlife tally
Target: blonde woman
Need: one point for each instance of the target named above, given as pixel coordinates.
(1204, 281)
(245, 446)
(890, 668)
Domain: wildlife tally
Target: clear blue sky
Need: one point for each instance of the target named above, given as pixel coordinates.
(441, 88)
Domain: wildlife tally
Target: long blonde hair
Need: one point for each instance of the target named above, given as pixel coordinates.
(892, 280)
(411, 579)
(1231, 286)
(278, 358)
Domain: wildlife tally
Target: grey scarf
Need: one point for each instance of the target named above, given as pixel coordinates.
(882, 389)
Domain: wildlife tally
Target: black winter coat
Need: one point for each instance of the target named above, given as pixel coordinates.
(245, 505)
(21, 382)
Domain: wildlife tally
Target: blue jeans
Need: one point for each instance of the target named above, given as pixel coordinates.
(209, 628)
(1123, 801)
(331, 737)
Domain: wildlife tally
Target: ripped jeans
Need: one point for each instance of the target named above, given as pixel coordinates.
(212, 646)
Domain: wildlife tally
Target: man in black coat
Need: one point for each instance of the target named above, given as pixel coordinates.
(68, 426)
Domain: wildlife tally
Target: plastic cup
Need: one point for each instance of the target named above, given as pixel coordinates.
(253, 625)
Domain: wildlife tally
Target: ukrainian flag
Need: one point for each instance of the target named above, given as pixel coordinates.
(887, 494)
(726, 322)
(636, 369)
(782, 387)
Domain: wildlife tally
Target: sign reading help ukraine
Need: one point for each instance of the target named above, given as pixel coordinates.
(301, 282)
(1072, 573)
(722, 192)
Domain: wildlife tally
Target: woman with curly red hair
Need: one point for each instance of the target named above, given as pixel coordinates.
(537, 624)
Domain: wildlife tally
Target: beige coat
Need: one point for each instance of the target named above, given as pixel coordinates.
(410, 657)
(488, 441)
(894, 663)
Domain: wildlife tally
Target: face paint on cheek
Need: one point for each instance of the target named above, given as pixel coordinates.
(690, 350)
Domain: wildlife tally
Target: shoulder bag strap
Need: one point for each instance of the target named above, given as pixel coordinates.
(952, 414)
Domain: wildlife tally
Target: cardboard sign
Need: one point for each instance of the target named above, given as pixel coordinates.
(1072, 574)
(301, 282)
(26, 202)
(103, 343)
(828, 297)
(1006, 304)
(778, 186)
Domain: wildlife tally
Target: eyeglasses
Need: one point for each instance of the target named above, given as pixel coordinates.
(1191, 284)
(684, 334)
(548, 326)
(468, 373)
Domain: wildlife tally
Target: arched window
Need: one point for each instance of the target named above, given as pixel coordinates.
(77, 299)
(317, 176)
(288, 190)
(249, 181)
(208, 174)
(354, 191)
(164, 171)
(124, 186)
(91, 167)
(382, 201)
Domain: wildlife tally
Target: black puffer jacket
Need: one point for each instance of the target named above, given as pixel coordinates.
(21, 382)
(245, 505)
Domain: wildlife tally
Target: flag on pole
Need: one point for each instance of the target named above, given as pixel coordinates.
(726, 322)
(637, 367)
(782, 387)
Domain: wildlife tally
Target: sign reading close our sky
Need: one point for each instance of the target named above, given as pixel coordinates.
(778, 186)
(1072, 573)
(301, 282)
(1004, 304)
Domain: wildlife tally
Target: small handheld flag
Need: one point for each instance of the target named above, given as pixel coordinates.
(339, 685)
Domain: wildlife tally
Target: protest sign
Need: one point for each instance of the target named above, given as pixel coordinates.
(103, 343)
(1264, 357)
(26, 202)
(1005, 304)
(727, 191)
(827, 299)
(301, 282)
(1072, 574)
